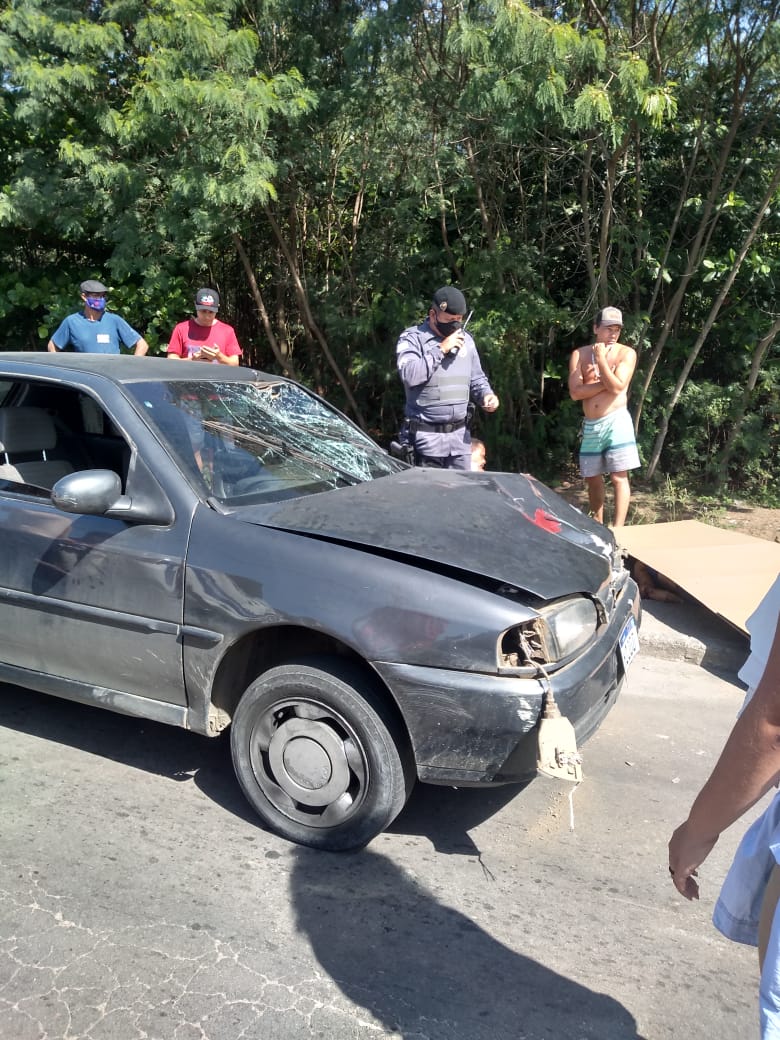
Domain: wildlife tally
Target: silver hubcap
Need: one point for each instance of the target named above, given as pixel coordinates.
(309, 762)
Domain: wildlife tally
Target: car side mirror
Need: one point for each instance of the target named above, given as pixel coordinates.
(90, 491)
(98, 492)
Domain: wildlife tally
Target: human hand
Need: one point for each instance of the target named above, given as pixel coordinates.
(451, 344)
(209, 353)
(686, 852)
(489, 403)
(600, 354)
(590, 367)
(590, 373)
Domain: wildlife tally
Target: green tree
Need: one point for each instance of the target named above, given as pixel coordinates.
(148, 132)
(327, 167)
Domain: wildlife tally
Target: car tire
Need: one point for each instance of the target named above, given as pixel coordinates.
(319, 755)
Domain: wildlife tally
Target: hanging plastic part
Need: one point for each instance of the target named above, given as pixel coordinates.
(556, 754)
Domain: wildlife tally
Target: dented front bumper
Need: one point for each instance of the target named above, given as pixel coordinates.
(471, 729)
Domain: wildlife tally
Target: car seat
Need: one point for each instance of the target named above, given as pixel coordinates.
(27, 436)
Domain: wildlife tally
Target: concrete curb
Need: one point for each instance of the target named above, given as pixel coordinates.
(689, 632)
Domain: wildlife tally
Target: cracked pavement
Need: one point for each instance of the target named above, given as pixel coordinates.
(139, 899)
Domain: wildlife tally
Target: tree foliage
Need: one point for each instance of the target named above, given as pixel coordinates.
(327, 166)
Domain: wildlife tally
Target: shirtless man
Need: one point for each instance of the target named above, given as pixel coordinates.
(599, 376)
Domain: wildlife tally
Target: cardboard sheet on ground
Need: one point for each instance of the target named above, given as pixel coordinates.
(726, 571)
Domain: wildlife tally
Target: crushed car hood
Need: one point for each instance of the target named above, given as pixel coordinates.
(503, 526)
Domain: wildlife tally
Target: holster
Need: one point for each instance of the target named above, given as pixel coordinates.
(404, 452)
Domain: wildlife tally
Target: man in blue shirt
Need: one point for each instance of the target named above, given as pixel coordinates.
(96, 330)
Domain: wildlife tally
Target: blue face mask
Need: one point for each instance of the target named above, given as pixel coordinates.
(96, 303)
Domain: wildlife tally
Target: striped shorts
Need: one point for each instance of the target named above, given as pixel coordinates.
(608, 445)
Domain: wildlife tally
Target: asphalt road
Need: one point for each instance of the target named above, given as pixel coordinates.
(140, 901)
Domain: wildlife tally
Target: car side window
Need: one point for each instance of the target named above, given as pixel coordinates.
(92, 415)
(48, 432)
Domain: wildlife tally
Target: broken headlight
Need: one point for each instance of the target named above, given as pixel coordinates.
(559, 632)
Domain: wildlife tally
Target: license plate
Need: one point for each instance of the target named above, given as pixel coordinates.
(628, 644)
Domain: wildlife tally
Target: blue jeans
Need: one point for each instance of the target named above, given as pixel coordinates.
(738, 909)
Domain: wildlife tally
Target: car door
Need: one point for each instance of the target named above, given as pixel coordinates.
(91, 606)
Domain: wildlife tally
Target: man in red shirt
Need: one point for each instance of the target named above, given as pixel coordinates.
(205, 337)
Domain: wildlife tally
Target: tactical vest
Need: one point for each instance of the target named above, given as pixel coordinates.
(449, 384)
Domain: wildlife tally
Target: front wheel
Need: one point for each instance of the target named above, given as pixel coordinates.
(319, 756)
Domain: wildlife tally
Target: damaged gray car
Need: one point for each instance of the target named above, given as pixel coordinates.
(219, 548)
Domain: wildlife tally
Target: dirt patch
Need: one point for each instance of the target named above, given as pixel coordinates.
(653, 506)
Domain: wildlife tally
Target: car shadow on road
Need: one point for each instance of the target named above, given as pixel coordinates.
(445, 815)
(425, 969)
(153, 747)
(441, 814)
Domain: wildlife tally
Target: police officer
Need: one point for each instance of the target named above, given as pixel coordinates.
(441, 372)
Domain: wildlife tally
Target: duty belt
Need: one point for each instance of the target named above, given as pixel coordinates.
(450, 427)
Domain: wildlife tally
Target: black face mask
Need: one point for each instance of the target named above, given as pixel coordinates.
(445, 328)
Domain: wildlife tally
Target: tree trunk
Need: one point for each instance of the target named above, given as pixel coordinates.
(696, 251)
(611, 161)
(482, 206)
(445, 238)
(711, 317)
(285, 363)
(659, 279)
(755, 368)
(587, 233)
(303, 303)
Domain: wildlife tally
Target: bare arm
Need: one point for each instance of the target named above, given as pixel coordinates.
(748, 766)
(216, 354)
(141, 347)
(52, 348)
(583, 379)
(226, 359)
(615, 381)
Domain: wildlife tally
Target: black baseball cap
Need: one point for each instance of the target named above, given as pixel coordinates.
(449, 300)
(92, 286)
(207, 299)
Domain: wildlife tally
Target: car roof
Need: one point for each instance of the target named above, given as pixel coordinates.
(124, 368)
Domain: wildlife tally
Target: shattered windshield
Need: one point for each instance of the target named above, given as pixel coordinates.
(256, 442)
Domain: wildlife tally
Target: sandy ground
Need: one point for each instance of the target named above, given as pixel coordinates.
(653, 507)
(756, 521)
